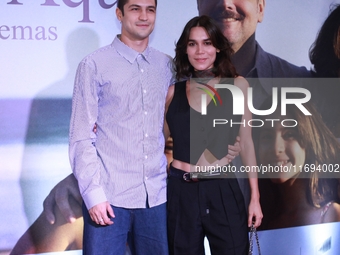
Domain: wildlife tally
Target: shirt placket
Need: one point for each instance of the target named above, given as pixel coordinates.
(145, 111)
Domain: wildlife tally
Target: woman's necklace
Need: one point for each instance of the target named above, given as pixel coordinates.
(209, 73)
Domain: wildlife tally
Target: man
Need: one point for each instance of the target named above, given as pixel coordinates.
(121, 169)
(238, 20)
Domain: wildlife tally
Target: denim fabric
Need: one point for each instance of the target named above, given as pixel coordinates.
(143, 229)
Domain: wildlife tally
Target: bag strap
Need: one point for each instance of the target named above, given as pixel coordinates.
(253, 232)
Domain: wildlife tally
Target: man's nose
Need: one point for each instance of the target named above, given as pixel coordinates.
(143, 15)
(229, 4)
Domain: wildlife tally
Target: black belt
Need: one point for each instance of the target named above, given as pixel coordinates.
(195, 176)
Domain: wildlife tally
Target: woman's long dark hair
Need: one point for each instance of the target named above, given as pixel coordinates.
(222, 65)
(325, 51)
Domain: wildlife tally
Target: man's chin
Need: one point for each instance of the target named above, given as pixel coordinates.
(144, 35)
(231, 36)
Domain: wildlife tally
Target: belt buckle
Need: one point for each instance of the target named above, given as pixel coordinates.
(191, 177)
(187, 177)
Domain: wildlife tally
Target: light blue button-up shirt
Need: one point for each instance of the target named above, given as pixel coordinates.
(123, 92)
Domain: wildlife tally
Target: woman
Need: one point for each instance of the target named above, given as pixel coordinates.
(304, 191)
(324, 54)
(212, 207)
(325, 51)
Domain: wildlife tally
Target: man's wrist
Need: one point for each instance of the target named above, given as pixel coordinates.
(94, 197)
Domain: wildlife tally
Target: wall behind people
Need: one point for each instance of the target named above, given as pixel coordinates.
(41, 43)
(292, 26)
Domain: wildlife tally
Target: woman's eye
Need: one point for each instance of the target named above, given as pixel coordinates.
(191, 44)
(290, 134)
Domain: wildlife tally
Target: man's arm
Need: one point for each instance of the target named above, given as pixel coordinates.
(85, 163)
(82, 140)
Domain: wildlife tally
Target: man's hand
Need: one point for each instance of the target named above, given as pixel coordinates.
(234, 150)
(100, 214)
(59, 196)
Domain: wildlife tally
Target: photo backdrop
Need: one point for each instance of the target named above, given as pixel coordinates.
(41, 44)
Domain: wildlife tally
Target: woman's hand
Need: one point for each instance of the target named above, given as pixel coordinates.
(255, 213)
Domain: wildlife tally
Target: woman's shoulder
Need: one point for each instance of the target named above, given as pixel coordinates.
(172, 88)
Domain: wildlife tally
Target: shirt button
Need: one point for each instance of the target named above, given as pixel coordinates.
(146, 177)
(146, 156)
(146, 135)
(142, 70)
(202, 128)
(144, 91)
(145, 112)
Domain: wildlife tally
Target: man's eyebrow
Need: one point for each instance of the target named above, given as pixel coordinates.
(136, 5)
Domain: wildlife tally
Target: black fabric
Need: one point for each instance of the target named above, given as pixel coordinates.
(178, 119)
(198, 176)
(193, 132)
(214, 209)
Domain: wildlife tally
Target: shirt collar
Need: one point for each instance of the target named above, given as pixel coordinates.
(128, 53)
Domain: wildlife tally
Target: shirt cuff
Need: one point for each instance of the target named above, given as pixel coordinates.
(94, 197)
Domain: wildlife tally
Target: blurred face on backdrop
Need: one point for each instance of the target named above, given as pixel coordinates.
(279, 147)
(237, 18)
(138, 20)
(201, 52)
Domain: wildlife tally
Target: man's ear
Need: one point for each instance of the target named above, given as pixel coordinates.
(260, 7)
(119, 14)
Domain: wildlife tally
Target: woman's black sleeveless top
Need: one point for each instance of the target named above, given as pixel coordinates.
(193, 132)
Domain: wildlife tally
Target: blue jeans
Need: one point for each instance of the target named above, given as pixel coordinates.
(143, 229)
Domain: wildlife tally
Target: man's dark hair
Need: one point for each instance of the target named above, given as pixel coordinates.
(121, 3)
